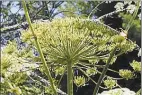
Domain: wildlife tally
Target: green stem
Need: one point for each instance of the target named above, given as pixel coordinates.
(12, 87)
(95, 9)
(61, 78)
(47, 71)
(69, 79)
(104, 72)
(90, 77)
(133, 17)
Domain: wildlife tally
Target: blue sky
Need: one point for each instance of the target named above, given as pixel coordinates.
(14, 8)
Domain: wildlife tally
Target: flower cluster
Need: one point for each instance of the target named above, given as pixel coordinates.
(59, 70)
(127, 74)
(130, 6)
(79, 81)
(11, 65)
(10, 48)
(76, 39)
(110, 83)
(118, 91)
(91, 71)
(119, 6)
(136, 66)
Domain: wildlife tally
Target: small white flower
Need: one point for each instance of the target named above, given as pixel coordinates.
(119, 6)
(127, 2)
(108, 1)
(131, 8)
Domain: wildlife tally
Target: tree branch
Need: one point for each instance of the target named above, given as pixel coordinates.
(111, 13)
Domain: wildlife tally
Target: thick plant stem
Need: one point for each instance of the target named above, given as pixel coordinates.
(47, 71)
(69, 79)
(104, 72)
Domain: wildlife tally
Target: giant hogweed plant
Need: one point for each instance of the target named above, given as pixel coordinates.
(70, 44)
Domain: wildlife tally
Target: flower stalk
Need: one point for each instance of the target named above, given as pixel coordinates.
(69, 79)
(47, 71)
(104, 71)
(133, 17)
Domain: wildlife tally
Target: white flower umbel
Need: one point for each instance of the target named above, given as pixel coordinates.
(131, 8)
(119, 6)
(118, 91)
(127, 2)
